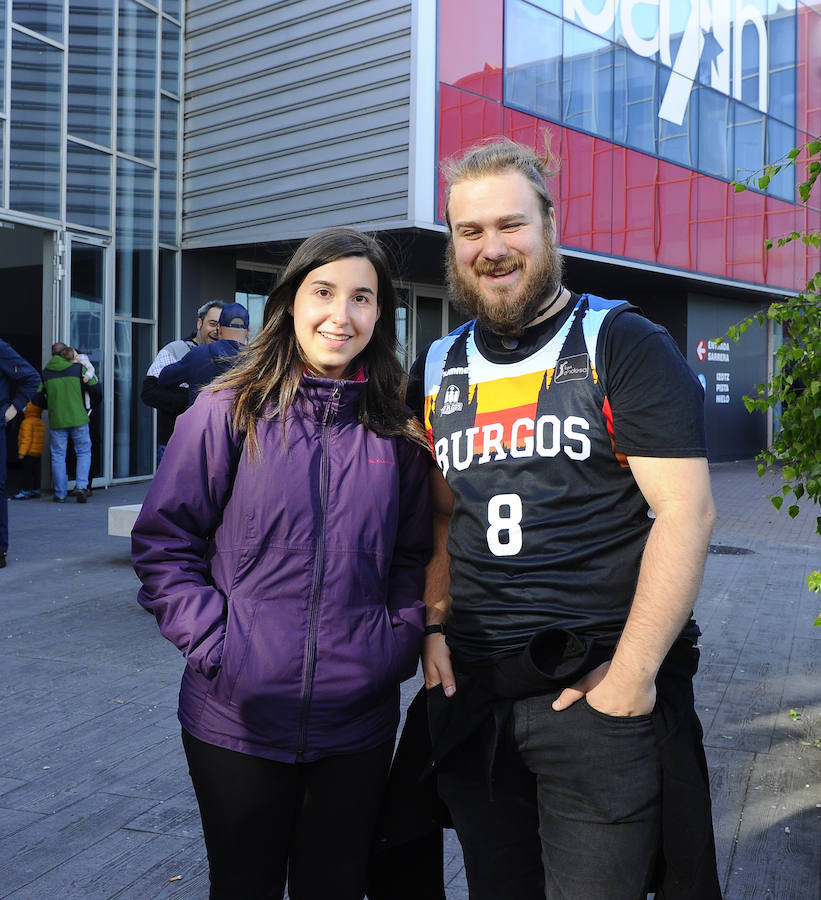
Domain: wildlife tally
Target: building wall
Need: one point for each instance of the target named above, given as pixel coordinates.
(296, 117)
(615, 201)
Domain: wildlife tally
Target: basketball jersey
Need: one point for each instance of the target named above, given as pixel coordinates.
(548, 525)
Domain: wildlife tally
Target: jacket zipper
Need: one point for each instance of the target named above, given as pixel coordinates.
(331, 409)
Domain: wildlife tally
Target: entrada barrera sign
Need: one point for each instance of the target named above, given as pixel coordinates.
(707, 31)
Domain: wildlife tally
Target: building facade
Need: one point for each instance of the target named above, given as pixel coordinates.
(160, 154)
(90, 125)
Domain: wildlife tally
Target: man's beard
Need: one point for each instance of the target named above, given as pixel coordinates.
(510, 310)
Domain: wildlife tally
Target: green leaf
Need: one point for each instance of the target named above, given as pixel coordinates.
(776, 501)
(793, 511)
(814, 147)
(764, 182)
(768, 244)
(793, 153)
(738, 187)
(789, 473)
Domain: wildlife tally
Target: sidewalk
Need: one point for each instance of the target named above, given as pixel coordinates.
(95, 800)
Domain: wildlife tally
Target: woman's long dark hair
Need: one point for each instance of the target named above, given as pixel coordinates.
(266, 376)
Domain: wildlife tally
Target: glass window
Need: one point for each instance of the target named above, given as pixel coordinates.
(87, 281)
(90, 68)
(676, 142)
(136, 80)
(172, 7)
(168, 320)
(133, 421)
(170, 57)
(134, 290)
(455, 317)
(587, 82)
(428, 321)
(780, 140)
(635, 107)
(400, 324)
(598, 16)
(88, 186)
(749, 65)
(45, 16)
(715, 136)
(553, 6)
(533, 51)
(643, 23)
(169, 110)
(782, 67)
(748, 128)
(2, 56)
(34, 158)
(252, 290)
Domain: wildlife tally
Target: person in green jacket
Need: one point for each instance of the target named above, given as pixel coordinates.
(63, 384)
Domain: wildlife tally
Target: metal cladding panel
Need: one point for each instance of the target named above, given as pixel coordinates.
(294, 114)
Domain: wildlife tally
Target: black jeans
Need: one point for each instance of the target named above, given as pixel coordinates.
(575, 808)
(266, 821)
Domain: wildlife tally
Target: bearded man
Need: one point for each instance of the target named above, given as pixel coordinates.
(573, 517)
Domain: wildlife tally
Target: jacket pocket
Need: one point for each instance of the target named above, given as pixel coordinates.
(238, 638)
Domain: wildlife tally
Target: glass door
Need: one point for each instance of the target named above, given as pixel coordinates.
(86, 269)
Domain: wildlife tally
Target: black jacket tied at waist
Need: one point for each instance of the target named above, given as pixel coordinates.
(553, 659)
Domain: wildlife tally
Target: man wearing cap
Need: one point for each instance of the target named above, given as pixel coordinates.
(202, 364)
(171, 401)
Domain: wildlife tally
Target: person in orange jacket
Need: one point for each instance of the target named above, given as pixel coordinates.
(30, 443)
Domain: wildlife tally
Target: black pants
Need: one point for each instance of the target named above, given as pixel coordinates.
(575, 809)
(266, 821)
(31, 473)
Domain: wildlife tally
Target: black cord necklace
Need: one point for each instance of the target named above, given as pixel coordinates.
(511, 343)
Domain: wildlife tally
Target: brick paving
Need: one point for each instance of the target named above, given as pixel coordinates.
(94, 795)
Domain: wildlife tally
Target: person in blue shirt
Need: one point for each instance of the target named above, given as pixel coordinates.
(202, 364)
(18, 382)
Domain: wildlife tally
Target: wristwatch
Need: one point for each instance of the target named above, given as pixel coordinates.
(434, 629)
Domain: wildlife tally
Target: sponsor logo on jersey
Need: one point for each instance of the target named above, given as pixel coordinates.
(451, 404)
(572, 368)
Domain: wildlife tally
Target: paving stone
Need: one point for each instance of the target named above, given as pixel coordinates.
(95, 800)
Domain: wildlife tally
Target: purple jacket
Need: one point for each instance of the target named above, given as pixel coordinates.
(293, 585)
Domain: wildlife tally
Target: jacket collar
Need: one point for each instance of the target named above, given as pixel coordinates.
(317, 393)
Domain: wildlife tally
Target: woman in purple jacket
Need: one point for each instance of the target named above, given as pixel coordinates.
(282, 547)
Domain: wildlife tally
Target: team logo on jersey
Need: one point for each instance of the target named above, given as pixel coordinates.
(452, 402)
(572, 368)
